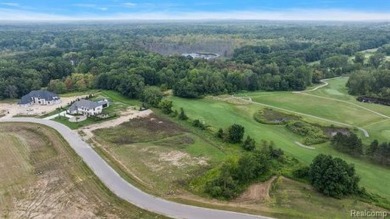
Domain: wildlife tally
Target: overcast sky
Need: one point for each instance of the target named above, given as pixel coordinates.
(52, 10)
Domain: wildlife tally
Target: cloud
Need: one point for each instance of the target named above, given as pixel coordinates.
(129, 4)
(11, 4)
(91, 6)
(292, 14)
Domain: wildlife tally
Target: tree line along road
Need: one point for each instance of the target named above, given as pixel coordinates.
(124, 189)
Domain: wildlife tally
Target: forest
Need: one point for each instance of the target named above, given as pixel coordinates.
(129, 57)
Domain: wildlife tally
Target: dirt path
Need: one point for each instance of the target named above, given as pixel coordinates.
(125, 117)
(256, 192)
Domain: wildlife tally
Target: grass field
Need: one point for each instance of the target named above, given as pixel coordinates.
(154, 146)
(297, 200)
(42, 176)
(163, 155)
(222, 114)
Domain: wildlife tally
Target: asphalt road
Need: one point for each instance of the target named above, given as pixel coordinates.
(125, 190)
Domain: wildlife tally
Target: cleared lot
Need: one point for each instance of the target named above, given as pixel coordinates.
(42, 176)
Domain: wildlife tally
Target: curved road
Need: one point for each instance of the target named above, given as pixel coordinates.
(125, 190)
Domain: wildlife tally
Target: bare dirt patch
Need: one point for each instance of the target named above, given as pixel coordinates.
(258, 192)
(179, 159)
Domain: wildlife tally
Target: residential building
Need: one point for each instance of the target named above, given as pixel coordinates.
(42, 97)
(87, 107)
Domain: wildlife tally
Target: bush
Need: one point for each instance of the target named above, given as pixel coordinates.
(333, 176)
(302, 173)
(249, 144)
(182, 114)
(220, 134)
(312, 133)
(235, 133)
(166, 106)
(197, 123)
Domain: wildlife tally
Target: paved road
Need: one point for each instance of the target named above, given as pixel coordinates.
(125, 190)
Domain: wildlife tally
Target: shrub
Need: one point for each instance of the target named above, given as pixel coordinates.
(249, 144)
(182, 114)
(333, 176)
(235, 133)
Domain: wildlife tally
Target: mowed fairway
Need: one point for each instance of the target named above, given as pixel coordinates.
(221, 114)
(42, 177)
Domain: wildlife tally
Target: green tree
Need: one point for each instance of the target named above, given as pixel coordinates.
(377, 59)
(359, 58)
(182, 114)
(220, 133)
(249, 144)
(333, 176)
(166, 106)
(247, 168)
(152, 96)
(235, 133)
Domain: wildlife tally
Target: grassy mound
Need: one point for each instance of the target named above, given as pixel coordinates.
(272, 117)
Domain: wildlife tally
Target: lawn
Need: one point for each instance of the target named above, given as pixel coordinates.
(42, 175)
(118, 102)
(222, 114)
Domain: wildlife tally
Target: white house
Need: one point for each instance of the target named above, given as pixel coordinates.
(42, 97)
(87, 107)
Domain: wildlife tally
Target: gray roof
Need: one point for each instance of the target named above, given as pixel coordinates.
(41, 94)
(85, 104)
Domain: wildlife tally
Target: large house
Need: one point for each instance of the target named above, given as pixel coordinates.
(87, 107)
(42, 97)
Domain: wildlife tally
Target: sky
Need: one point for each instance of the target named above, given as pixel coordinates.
(58, 10)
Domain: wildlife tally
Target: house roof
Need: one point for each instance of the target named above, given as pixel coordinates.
(85, 104)
(41, 94)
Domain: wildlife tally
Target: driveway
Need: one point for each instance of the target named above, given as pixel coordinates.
(63, 113)
(125, 190)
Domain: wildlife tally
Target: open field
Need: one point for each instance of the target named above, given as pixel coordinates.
(298, 200)
(163, 155)
(43, 177)
(222, 114)
(153, 146)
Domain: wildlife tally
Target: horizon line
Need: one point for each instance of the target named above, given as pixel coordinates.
(281, 15)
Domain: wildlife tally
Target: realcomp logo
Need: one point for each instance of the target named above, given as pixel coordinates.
(369, 213)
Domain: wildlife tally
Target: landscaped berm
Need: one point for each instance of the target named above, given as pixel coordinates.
(42, 177)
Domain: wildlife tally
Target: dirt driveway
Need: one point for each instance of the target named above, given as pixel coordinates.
(12, 109)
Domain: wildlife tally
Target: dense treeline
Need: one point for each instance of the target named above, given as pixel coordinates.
(377, 152)
(267, 56)
(349, 144)
(374, 83)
